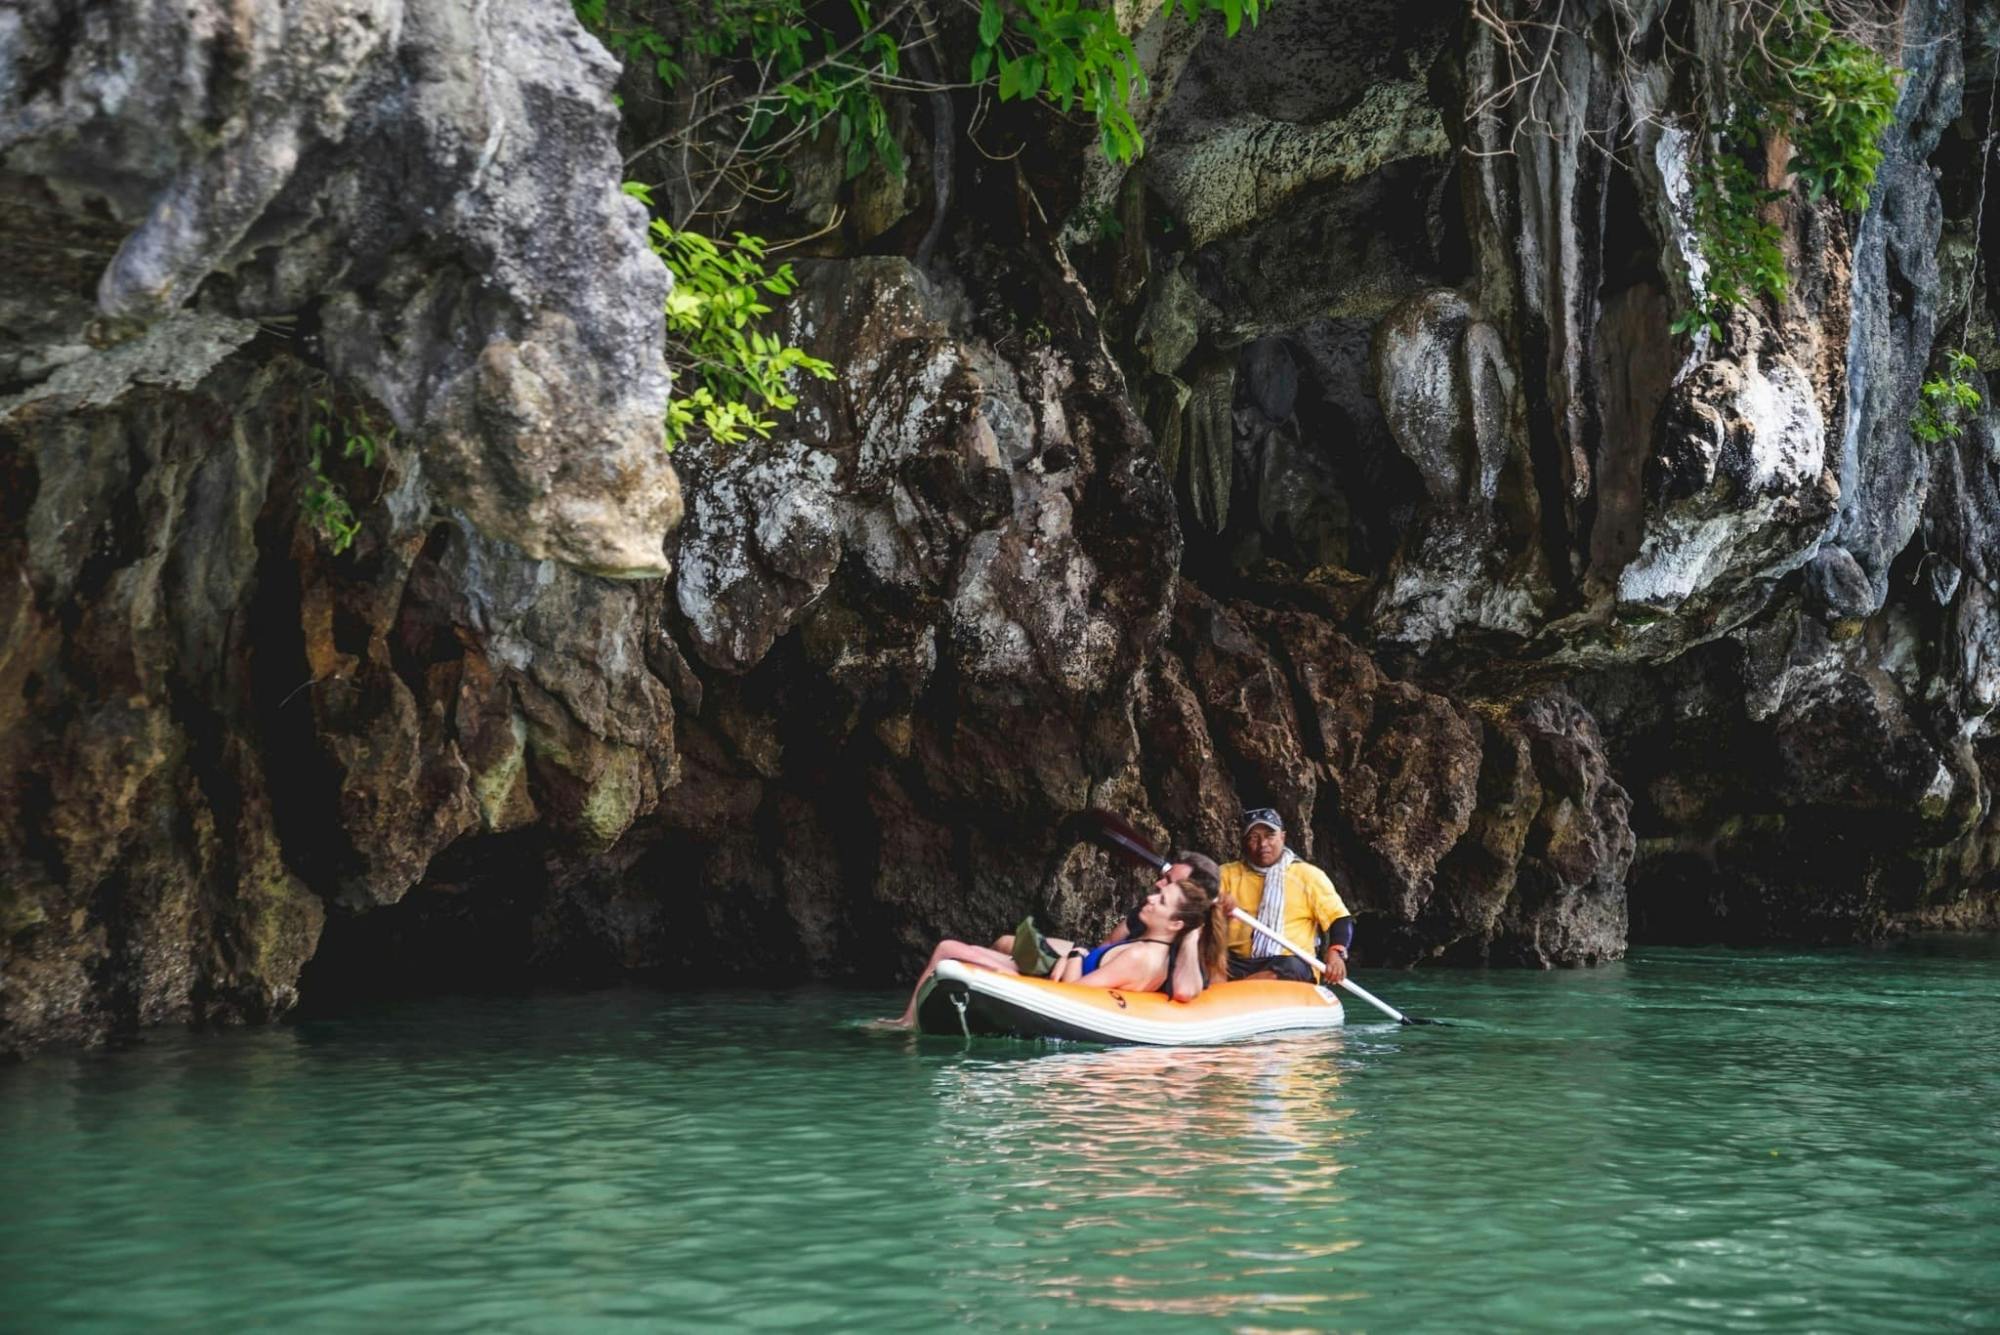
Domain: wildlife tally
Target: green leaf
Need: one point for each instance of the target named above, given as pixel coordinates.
(990, 22)
(1013, 79)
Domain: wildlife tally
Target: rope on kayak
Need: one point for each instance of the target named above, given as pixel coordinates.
(958, 1002)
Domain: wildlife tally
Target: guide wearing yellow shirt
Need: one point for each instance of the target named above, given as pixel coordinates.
(1291, 896)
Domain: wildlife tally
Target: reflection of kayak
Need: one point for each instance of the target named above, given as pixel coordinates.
(966, 999)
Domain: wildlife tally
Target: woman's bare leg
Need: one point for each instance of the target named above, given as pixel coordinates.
(951, 950)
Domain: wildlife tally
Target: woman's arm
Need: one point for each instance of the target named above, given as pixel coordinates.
(1070, 967)
(1186, 983)
(1139, 967)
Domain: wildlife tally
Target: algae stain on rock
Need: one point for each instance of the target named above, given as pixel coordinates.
(501, 788)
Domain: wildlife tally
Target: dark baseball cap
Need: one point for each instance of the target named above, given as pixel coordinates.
(1256, 816)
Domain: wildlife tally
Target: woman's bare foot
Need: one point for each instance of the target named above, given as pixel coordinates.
(891, 1024)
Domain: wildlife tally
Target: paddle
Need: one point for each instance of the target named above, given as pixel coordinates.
(1119, 833)
(1115, 831)
(1347, 983)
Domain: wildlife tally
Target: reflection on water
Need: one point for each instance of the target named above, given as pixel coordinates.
(1153, 1158)
(1710, 1140)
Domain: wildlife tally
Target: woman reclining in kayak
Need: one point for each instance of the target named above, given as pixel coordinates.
(1185, 907)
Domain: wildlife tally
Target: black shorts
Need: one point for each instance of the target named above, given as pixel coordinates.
(1289, 967)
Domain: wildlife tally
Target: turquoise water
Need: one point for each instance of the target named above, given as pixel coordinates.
(1699, 1139)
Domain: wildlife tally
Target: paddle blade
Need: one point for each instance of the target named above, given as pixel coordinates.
(1118, 834)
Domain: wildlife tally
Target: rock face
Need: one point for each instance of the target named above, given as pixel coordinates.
(1520, 477)
(144, 876)
(914, 623)
(1355, 472)
(435, 189)
(1468, 836)
(214, 730)
(210, 730)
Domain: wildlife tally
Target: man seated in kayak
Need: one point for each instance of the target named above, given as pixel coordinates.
(1196, 957)
(1175, 909)
(1290, 897)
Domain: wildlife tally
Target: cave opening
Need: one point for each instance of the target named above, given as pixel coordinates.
(454, 932)
(1316, 481)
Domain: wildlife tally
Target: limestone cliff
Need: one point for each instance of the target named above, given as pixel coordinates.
(1338, 455)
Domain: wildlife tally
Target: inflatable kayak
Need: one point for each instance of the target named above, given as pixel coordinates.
(965, 999)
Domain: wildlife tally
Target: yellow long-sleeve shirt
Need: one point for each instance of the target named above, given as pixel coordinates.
(1311, 906)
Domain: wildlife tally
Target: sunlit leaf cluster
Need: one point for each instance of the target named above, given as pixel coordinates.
(740, 375)
(1743, 248)
(1946, 399)
(1830, 95)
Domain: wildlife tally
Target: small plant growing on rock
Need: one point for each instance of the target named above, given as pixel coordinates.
(323, 501)
(1741, 246)
(1102, 223)
(325, 507)
(1946, 398)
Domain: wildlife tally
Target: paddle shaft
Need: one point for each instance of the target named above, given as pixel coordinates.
(1291, 949)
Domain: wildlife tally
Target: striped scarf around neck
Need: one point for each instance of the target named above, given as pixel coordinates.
(1271, 908)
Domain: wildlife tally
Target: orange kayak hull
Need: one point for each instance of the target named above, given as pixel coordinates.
(967, 1000)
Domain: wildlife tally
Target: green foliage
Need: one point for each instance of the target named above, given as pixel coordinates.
(1069, 53)
(815, 80)
(741, 375)
(1742, 247)
(325, 507)
(1073, 54)
(1102, 223)
(1946, 398)
(359, 437)
(638, 43)
(1830, 97)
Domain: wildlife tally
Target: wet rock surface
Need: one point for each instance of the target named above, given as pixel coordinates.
(1363, 479)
